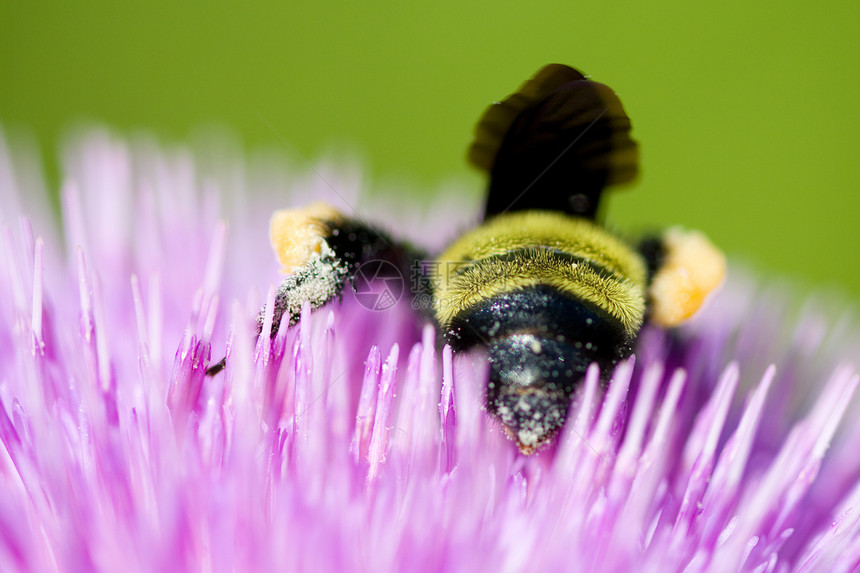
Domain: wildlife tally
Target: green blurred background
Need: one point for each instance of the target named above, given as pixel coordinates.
(747, 112)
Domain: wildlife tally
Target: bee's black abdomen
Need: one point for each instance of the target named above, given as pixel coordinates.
(542, 311)
(540, 343)
(532, 380)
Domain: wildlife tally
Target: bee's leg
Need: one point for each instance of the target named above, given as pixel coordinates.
(321, 250)
(683, 268)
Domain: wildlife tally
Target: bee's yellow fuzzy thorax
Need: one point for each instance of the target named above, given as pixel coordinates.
(571, 254)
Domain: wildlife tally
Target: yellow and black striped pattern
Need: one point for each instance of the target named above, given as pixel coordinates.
(527, 248)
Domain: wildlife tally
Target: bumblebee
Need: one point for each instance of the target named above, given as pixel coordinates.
(541, 285)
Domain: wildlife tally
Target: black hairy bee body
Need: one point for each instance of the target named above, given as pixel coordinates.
(540, 285)
(546, 294)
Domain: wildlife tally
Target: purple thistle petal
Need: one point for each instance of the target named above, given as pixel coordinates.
(448, 413)
(366, 413)
(384, 405)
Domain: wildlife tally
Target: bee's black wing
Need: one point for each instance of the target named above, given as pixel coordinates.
(555, 144)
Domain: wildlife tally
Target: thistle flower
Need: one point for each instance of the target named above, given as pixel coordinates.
(350, 442)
